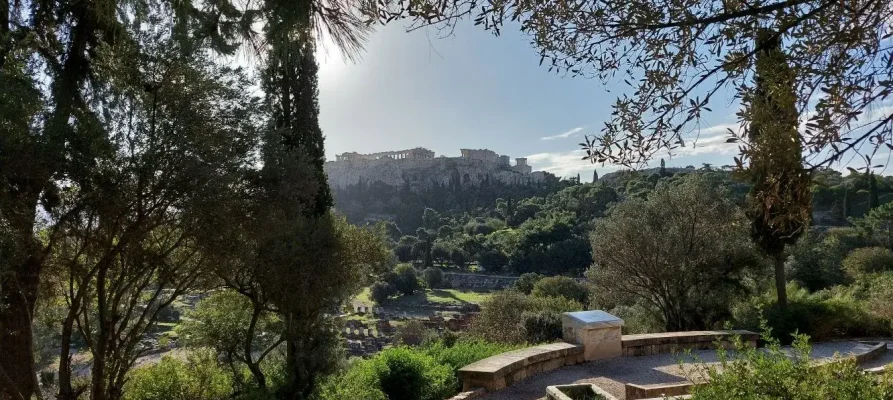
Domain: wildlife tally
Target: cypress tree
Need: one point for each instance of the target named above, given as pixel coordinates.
(663, 169)
(847, 208)
(779, 204)
(873, 200)
(594, 176)
(296, 234)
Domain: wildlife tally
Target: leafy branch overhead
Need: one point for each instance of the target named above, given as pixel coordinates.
(680, 57)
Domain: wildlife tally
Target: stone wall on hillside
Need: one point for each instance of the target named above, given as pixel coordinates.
(478, 281)
(423, 174)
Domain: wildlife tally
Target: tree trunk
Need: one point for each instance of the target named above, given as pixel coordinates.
(780, 282)
(16, 346)
(5, 40)
(66, 392)
(253, 366)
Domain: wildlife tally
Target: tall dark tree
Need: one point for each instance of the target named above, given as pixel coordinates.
(846, 203)
(663, 168)
(594, 176)
(780, 200)
(873, 200)
(298, 243)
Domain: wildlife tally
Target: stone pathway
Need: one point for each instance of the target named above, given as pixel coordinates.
(612, 375)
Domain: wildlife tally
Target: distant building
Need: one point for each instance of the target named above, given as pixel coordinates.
(521, 166)
(418, 153)
(419, 168)
(479, 154)
(504, 161)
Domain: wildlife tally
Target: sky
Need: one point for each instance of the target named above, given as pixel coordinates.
(476, 90)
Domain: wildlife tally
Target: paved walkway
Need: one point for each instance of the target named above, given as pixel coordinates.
(612, 375)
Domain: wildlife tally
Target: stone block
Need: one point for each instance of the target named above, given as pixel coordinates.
(597, 331)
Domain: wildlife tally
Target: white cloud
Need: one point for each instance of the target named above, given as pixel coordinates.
(710, 140)
(568, 164)
(564, 135)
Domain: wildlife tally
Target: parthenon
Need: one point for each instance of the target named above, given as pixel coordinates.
(418, 153)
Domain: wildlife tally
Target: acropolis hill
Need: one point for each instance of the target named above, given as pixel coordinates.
(420, 169)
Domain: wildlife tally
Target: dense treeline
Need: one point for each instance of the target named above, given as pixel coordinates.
(548, 234)
(371, 200)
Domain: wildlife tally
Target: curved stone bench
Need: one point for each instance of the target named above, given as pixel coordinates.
(670, 342)
(504, 369)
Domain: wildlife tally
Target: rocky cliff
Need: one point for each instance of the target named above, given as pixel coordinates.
(421, 175)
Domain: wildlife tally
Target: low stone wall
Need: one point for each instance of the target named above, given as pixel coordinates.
(670, 342)
(469, 395)
(577, 391)
(478, 281)
(663, 390)
(504, 369)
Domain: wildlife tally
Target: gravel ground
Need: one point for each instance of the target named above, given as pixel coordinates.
(612, 375)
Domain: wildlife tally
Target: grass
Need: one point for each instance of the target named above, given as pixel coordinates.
(364, 297)
(428, 296)
(456, 296)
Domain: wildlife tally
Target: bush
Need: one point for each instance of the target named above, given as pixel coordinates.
(525, 282)
(561, 286)
(381, 291)
(815, 262)
(541, 326)
(823, 315)
(198, 378)
(432, 277)
(398, 373)
(464, 352)
(880, 298)
(868, 260)
(414, 333)
(405, 279)
(638, 319)
(502, 317)
(758, 374)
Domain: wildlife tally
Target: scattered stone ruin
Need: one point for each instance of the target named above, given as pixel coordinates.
(478, 281)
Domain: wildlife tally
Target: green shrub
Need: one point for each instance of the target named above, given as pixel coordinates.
(398, 373)
(433, 277)
(822, 315)
(561, 286)
(880, 298)
(541, 326)
(772, 374)
(464, 352)
(815, 262)
(414, 333)
(198, 378)
(525, 282)
(502, 317)
(379, 292)
(868, 260)
(638, 319)
(406, 280)
(360, 380)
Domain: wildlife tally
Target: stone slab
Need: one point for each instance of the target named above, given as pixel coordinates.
(593, 319)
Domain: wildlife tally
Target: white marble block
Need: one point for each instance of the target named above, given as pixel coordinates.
(597, 331)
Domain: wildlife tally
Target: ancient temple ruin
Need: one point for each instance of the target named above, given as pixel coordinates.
(418, 153)
(421, 153)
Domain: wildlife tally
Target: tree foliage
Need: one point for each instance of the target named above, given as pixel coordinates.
(682, 253)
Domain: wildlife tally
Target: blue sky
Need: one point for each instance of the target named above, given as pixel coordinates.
(475, 90)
